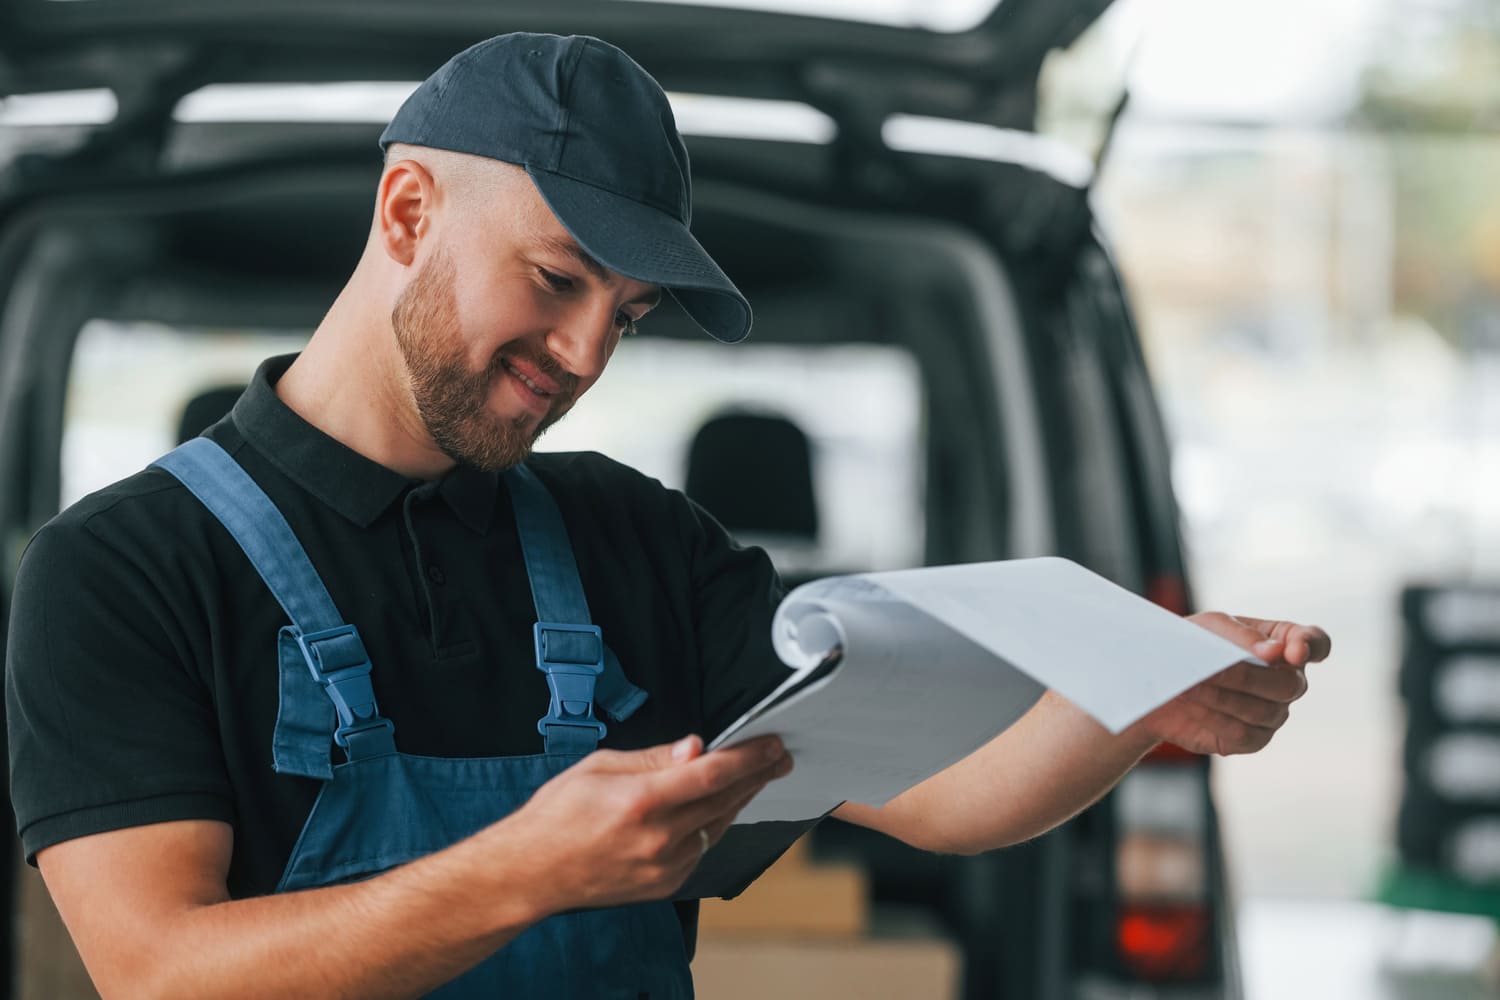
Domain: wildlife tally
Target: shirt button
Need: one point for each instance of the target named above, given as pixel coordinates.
(435, 574)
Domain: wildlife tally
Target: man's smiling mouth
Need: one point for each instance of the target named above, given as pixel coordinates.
(525, 379)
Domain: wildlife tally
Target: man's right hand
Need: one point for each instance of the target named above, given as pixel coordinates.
(149, 908)
(622, 826)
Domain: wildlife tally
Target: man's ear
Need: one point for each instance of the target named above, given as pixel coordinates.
(404, 203)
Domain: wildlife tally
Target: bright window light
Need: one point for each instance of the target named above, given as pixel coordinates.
(71, 107)
(944, 137)
(934, 15)
(303, 102)
(747, 118)
(697, 114)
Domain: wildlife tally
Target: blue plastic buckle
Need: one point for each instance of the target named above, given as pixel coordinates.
(572, 664)
(338, 662)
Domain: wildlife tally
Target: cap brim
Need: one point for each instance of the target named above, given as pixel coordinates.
(648, 245)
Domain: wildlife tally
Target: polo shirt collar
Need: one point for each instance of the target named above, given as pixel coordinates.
(356, 487)
(470, 492)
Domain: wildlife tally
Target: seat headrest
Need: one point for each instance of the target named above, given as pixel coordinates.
(206, 409)
(753, 472)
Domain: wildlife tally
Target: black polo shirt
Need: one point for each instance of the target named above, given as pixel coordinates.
(142, 673)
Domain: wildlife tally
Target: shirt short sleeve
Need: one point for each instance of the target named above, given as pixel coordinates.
(109, 723)
(736, 591)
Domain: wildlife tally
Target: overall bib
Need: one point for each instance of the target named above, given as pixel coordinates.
(381, 807)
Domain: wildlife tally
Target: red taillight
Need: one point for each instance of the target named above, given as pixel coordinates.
(1164, 926)
(1164, 943)
(1169, 592)
(1170, 753)
(1163, 920)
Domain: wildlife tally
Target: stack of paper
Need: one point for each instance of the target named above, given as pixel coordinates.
(897, 675)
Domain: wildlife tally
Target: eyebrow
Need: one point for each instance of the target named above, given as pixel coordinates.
(598, 270)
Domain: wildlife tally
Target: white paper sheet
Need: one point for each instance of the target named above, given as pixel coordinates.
(938, 661)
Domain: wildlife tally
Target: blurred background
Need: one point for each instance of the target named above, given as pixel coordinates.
(1304, 201)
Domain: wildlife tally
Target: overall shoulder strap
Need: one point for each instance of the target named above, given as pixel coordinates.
(569, 647)
(331, 655)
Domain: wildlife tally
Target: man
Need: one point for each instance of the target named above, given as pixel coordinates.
(381, 814)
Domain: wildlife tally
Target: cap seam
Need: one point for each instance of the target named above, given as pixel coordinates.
(441, 83)
(649, 203)
(565, 106)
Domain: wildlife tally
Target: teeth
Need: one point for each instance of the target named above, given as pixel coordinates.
(528, 383)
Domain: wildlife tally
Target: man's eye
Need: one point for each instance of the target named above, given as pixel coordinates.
(558, 282)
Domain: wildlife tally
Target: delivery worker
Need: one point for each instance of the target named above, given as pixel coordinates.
(313, 707)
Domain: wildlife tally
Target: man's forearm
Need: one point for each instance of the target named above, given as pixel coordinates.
(1053, 763)
(397, 935)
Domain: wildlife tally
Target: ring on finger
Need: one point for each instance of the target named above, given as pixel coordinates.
(703, 841)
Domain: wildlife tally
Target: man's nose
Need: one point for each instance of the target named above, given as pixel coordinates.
(583, 340)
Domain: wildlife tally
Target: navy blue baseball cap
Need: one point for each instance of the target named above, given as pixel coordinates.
(597, 136)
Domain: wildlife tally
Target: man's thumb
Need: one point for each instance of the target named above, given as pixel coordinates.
(683, 750)
(662, 756)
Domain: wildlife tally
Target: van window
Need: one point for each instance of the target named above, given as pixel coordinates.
(130, 383)
(860, 406)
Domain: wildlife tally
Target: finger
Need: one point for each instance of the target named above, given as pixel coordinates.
(1264, 626)
(719, 827)
(1283, 684)
(1305, 643)
(685, 749)
(1309, 644)
(660, 757)
(1263, 713)
(1243, 633)
(657, 758)
(728, 801)
(1214, 732)
(688, 845)
(712, 772)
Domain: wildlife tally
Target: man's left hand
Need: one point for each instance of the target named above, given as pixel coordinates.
(1240, 709)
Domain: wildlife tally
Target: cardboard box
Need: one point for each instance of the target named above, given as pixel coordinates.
(47, 964)
(919, 968)
(794, 898)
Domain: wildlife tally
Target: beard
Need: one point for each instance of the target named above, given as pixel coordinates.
(451, 400)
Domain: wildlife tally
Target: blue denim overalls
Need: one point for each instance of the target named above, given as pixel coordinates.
(381, 807)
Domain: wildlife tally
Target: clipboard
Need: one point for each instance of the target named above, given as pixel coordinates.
(898, 675)
(747, 849)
